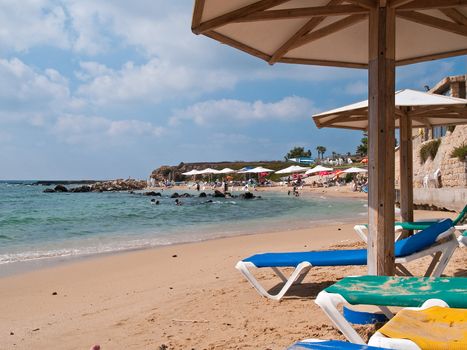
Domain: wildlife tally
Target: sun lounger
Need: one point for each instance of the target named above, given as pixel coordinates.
(317, 344)
(362, 229)
(386, 291)
(428, 327)
(438, 240)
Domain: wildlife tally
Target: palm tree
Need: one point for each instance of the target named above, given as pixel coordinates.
(321, 150)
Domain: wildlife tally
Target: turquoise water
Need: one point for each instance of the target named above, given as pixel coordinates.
(36, 225)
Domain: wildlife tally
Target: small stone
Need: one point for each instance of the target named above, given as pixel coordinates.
(12, 333)
(174, 256)
(54, 293)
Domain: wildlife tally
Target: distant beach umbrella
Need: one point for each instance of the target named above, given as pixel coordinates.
(226, 171)
(209, 171)
(317, 169)
(258, 170)
(192, 172)
(292, 169)
(354, 170)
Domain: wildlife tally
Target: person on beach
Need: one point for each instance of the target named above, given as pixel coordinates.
(197, 186)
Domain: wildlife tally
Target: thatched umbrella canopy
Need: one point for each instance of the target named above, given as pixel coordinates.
(373, 34)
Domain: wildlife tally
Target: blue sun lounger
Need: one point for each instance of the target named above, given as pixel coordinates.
(438, 240)
(316, 344)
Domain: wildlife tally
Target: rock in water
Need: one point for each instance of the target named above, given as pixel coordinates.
(175, 195)
(202, 195)
(247, 195)
(218, 194)
(60, 188)
(49, 190)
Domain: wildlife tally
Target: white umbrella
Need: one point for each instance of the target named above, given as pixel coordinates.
(354, 170)
(192, 172)
(209, 171)
(226, 171)
(258, 170)
(317, 169)
(292, 169)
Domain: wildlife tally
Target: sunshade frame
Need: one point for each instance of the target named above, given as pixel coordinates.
(448, 18)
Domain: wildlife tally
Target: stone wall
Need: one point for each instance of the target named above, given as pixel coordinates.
(453, 171)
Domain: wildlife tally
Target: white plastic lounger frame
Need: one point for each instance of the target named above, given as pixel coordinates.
(380, 340)
(363, 229)
(441, 254)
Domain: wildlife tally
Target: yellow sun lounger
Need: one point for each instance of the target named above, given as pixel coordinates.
(425, 328)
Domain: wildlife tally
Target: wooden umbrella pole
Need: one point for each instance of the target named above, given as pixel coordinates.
(381, 140)
(406, 167)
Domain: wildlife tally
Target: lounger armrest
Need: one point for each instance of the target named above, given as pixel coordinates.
(379, 340)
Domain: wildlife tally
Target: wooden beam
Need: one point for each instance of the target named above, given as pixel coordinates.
(368, 4)
(327, 63)
(308, 27)
(396, 3)
(431, 57)
(433, 22)
(422, 121)
(406, 168)
(238, 45)
(431, 4)
(197, 13)
(303, 12)
(381, 136)
(236, 14)
(328, 30)
(455, 15)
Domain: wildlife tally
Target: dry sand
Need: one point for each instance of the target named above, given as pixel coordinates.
(178, 297)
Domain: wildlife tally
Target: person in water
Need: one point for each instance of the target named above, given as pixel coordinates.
(177, 202)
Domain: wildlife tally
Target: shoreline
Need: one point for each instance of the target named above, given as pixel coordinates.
(182, 296)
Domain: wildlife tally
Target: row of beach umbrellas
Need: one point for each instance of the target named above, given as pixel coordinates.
(289, 170)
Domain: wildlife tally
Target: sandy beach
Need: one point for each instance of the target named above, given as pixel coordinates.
(186, 296)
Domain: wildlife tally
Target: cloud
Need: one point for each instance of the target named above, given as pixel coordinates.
(97, 131)
(152, 82)
(27, 94)
(32, 23)
(216, 111)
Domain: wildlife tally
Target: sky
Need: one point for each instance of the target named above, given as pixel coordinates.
(114, 89)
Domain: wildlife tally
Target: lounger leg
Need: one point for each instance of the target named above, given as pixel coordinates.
(446, 255)
(328, 302)
(298, 274)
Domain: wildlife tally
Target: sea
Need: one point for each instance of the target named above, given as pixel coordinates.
(38, 227)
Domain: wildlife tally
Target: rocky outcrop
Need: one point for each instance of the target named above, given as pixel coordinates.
(104, 186)
(218, 194)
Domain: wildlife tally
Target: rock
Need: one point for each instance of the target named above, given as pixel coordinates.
(175, 195)
(60, 188)
(186, 195)
(202, 195)
(247, 195)
(219, 194)
(79, 189)
(49, 190)
(152, 193)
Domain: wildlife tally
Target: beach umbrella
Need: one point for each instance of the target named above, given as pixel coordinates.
(373, 34)
(258, 170)
(192, 172)
(292, 169)
(354, 170)
(413, 109)
(209, 171)
(226, 171)
(317, 169)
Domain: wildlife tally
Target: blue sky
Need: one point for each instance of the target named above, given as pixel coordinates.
(107, 89)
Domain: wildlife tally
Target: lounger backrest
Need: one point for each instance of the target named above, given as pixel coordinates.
(461, 217)
(422, 239)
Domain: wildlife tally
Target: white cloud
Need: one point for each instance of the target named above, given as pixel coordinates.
(217, 111)
(30, 23)
(79, 129)
(29, 94)
(151, 82)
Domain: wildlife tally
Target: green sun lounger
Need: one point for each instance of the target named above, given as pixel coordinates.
(386, 291)
(361, 229)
